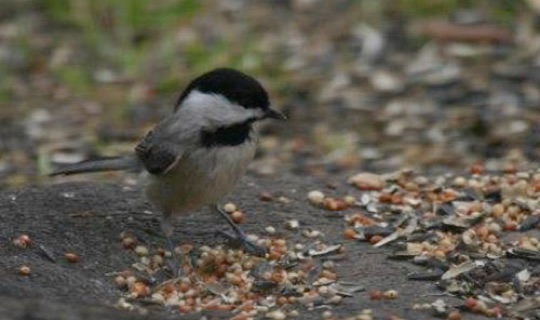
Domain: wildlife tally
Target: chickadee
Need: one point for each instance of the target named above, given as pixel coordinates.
(197, 155)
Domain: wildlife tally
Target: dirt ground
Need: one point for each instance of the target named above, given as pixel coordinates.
(87, 218)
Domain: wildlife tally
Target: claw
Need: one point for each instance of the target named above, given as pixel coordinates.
(254, 249)
(174, 262)
(244, 243)
(174, 266)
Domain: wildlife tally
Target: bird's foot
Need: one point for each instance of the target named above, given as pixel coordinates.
(240, 237)
(174, 262)
(242, 241)
(173, 266)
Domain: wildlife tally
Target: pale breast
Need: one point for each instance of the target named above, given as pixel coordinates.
(201, 178)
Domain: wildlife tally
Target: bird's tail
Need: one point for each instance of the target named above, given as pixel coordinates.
(129, 163)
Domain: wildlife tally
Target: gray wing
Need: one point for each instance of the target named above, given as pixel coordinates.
(158, 157)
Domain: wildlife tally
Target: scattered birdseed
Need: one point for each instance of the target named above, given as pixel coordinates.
(292, 224)
(139, 290)
(294, 313)
(334, 204)
(284, 200)
(454, 315)
(390, 294)
(230, 207)
(461, 229)
(276, 315)
(238, 217)
(22, 241)
(315, 197)
(129, 243)
(72, 257)
(367, 181)
(376, 295)
(311, 233)
(270, 230)
(120, 281)
(130, 281)
(141, 251)
(366, 314)
(219, 278)
(24, 270)
(349, 234)
(266, 196)
(350, 200)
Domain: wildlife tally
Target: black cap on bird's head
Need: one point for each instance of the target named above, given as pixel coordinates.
(236, 87)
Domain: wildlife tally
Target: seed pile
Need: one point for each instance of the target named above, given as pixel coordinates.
(221, 278)
(476, 235)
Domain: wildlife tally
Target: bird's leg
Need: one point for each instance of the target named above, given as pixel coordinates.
(174, 263)
(249, 246)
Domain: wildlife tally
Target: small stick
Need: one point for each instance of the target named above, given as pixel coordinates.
(47, 253)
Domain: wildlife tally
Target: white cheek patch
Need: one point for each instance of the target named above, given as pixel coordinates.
(215, 110)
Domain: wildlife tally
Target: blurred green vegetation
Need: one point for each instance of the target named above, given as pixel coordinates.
(120, 55)
(135, 39)
(126, 23)
(122, 34)
(502, 10)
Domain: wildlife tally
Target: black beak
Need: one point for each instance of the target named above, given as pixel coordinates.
(274, 114)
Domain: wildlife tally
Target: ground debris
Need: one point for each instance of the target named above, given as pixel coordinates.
(472, 244)
(218, 278)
